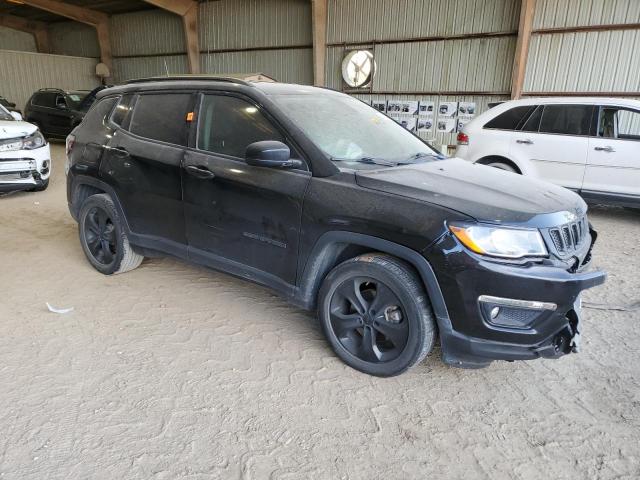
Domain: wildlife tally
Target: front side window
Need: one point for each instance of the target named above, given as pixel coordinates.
(620, 123)
(511, 119)
(566, 119)
(228, 125)
(162, 117)
(348, 130)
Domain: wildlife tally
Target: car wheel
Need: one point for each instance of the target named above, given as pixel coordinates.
(503, 166)
(103, 237)
(376, 315)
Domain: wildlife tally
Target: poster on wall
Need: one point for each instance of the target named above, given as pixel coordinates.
(446, 125)
(380, 105)
(410, 107)
(425, 124)
(461, 123)
(407, 122)
(394, 106)
(447, 109)
(426, 107)
(467, 108)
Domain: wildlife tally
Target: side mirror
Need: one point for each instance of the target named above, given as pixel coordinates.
(270, 154)
(16, 116)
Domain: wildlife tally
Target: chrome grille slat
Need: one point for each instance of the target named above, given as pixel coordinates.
(569, 237)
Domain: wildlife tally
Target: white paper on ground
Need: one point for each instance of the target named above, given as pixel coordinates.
(59, 310)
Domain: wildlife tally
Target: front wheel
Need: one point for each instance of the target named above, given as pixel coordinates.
(103, 237)
(376, 315)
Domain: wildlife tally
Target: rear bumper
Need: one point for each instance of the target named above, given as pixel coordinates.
(473, 338)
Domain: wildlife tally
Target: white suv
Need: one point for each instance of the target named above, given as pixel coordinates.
(25, 158)
(590, 145)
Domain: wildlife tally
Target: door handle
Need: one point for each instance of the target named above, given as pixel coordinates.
(117, 151)
(526, 142)
(607, 149)
(203, 173)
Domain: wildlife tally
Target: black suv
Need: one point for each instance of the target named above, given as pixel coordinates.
(338, 208)
(56, 112)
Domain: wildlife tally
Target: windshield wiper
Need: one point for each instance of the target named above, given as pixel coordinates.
(367, 160)
(419, 155)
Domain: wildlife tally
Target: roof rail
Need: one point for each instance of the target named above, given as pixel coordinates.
(241, 78)
(51, 90)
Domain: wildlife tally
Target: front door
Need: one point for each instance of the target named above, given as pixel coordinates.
(613, 168)
(242, 218)
(558, 149)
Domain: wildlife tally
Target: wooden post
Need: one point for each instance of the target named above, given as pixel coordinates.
(98, 20)
(37, 29)
(527, 11)
(319, 27)
(188, 10)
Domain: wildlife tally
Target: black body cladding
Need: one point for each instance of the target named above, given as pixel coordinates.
(286, 227)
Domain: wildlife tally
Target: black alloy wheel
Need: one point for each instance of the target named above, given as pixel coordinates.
(376, 315)
(368, 320)
(100, 235)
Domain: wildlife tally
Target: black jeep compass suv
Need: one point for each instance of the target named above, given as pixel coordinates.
(338, 208)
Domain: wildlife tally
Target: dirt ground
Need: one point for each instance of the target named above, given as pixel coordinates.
(175, 371)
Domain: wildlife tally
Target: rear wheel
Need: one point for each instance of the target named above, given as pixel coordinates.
(376, 315)
(103, 237)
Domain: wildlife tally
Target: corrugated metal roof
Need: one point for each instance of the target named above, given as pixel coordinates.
(574, 13)
(254, 23)
(145, 33)
(75, 39)
(364, 20)
(584, 62)
(141, 67)
(14, 40)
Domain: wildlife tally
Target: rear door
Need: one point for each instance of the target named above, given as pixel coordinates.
(613, 167)
(554, 141)
(142, 163)
(244, 217)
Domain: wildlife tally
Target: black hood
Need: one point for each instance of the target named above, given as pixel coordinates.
(485, 193)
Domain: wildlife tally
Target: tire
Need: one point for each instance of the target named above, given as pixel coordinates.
(103, 238)
(503, 166)
(42, 187)
(385, 326)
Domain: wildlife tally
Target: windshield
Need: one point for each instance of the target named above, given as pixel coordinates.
(352, 133)
(74, 99)
(4, 114)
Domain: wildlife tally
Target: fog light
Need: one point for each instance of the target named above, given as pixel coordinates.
(512, 313)
(495, 311)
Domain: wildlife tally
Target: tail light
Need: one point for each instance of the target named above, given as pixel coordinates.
(71, 140)
(463, 139)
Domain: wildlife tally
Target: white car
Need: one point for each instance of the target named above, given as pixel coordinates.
(25, 157)
(590, 145)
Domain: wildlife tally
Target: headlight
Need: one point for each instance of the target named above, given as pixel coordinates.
(500, 242)
(35, 140)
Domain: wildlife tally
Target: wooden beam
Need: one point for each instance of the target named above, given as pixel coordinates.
(37, 29)
(527, 11)
(188, 10)
(319, 27)
(98, 20)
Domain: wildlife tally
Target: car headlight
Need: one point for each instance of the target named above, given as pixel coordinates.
(33, 141)
(500, 241)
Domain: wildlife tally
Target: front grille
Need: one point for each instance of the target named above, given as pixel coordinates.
(569, 237)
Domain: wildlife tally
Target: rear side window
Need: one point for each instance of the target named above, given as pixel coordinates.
(511, 119)
(122, 113)
(228, 125)
(95, 118)
(162, 117)
(566, 119)
(45, 99)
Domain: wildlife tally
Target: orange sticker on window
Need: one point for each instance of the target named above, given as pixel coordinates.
(190, 117)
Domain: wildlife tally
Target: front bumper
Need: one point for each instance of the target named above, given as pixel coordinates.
(24, 169)
(472, 338)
